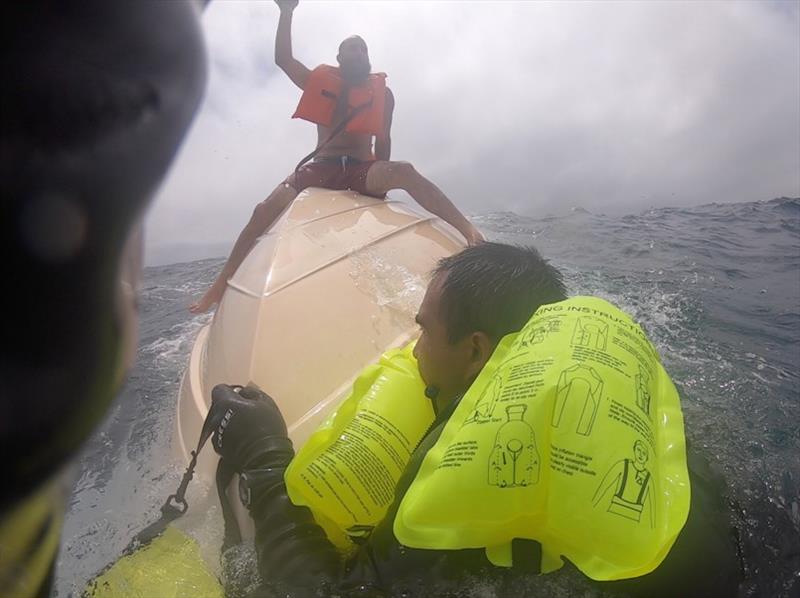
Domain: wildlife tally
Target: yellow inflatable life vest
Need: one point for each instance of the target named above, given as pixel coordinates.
(347, 471)
(572, 435)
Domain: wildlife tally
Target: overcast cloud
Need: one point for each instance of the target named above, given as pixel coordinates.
(530, 107)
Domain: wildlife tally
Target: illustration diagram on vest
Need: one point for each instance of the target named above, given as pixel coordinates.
(514, 460)
(629, 483)
(578, 396)
(642, 391)
(485, 406)
(590, 332)
(533, 335)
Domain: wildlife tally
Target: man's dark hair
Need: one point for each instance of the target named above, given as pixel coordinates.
(495, 288)
(353, 38)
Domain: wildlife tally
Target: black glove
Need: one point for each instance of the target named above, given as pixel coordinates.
(251, 432)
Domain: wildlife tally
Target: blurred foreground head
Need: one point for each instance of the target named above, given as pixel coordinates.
(97, 98)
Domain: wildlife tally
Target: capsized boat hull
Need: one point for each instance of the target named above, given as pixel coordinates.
(331, 286)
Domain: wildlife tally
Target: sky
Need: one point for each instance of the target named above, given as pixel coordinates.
(528, 107)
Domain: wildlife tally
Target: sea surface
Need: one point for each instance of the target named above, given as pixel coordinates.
(717, 287)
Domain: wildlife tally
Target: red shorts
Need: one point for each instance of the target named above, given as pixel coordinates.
(335, 173)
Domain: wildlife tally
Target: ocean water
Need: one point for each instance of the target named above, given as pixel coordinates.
(716, 286)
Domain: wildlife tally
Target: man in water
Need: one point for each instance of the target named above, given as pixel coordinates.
(474, 299)
(343, 159)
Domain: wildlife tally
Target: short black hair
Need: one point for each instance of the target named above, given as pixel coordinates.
(495, 288)
(353, 37)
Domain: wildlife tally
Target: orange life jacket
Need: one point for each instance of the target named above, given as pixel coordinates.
(321, 92)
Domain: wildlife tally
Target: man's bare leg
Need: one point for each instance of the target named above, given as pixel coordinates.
(384, 176)
(264, 214)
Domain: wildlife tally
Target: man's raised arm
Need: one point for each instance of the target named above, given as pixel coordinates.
(296, 70)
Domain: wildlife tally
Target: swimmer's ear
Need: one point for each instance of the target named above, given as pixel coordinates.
(481, 348)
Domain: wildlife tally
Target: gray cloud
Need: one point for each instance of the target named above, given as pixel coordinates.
(529, 107)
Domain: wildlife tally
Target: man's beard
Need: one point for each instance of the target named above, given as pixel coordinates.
(355, 73)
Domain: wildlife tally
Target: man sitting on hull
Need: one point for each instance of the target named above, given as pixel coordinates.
(350, 106)
(475, 298)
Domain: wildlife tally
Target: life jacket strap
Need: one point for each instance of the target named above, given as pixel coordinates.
(338, 129)
(175, 505)
(526, 556)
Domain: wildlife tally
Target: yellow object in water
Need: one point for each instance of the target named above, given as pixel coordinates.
(347, 471)
(29, 537)
(572, 435)
(168, 567)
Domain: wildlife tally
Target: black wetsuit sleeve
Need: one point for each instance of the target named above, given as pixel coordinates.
(292, 550)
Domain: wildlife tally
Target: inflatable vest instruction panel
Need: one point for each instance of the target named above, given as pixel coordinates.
(572, 435)
(347, 471)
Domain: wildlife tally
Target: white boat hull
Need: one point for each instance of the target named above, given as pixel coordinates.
(331, 286)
